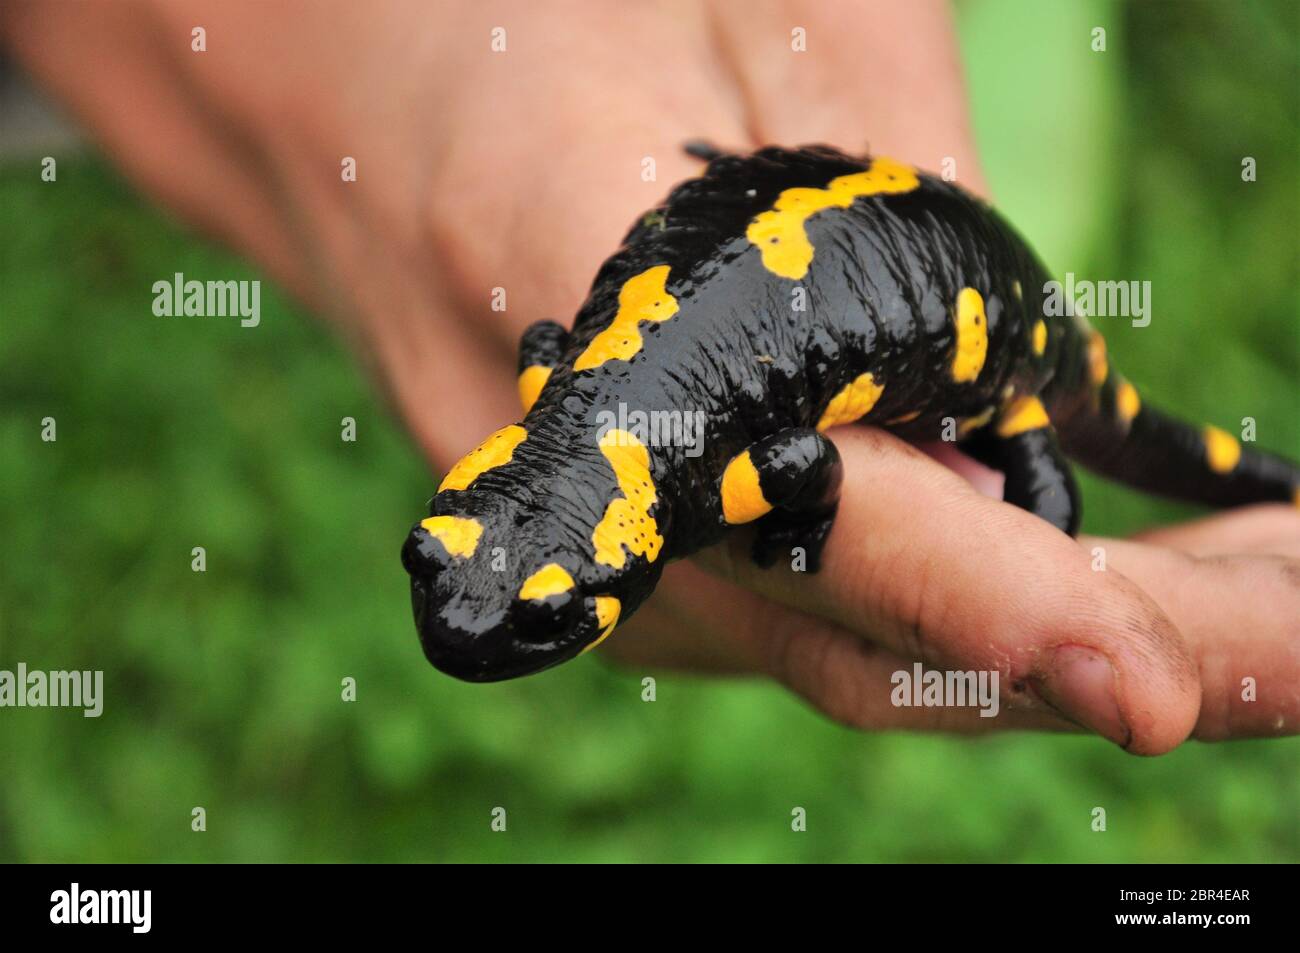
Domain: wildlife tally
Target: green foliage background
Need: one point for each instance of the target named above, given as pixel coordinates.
(223, 687)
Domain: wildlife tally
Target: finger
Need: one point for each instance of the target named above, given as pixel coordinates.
(984, 479)
(699, 622)
(1241, 616)
(694, 622)
(846, 85)
(921, 563)
(1267, 527)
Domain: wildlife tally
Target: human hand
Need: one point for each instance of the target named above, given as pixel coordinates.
(923, 566)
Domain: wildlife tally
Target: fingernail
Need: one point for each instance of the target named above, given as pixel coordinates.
(1080, 684)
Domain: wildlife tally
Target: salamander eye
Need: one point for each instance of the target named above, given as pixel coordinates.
(422, 555)
(544, 620)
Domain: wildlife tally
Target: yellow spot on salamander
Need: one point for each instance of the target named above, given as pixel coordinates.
(742, 496)
(1025, 413)
(1127, 401)
(1040, 337)
(1016, 290)
(607, 612)
(627, 526)
(779, 232)
(1222, 451)
(852, 403)
(458, 534)
(551, 580)
(972, 336)
(492, 452)
(642, 298)
(1098, 366)
(905, 419)
(531, 381)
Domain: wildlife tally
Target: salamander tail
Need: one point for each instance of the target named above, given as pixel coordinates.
(1121, 436)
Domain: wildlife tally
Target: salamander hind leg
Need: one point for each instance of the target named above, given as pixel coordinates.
(540, 349)
(790, 484)
(1022, 446)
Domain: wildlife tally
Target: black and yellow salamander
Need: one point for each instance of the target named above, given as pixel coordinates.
(778, 295)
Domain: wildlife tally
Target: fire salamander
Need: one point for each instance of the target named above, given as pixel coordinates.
(780, 294)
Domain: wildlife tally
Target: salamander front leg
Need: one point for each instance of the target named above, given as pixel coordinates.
(540, 349)
(1023, 447)
(790, 483)
(702, 149)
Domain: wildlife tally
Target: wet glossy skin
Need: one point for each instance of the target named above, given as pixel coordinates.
(778, 295)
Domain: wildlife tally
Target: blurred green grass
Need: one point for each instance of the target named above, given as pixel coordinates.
(223, 688)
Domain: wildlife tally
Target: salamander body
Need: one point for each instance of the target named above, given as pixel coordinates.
(778, 295)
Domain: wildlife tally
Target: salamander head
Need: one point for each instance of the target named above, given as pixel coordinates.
(539, 541)
(490, 605)
(532, 554)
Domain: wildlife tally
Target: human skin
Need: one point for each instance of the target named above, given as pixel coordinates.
(522, 170)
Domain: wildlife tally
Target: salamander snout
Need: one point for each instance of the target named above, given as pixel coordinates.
(480, 622)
